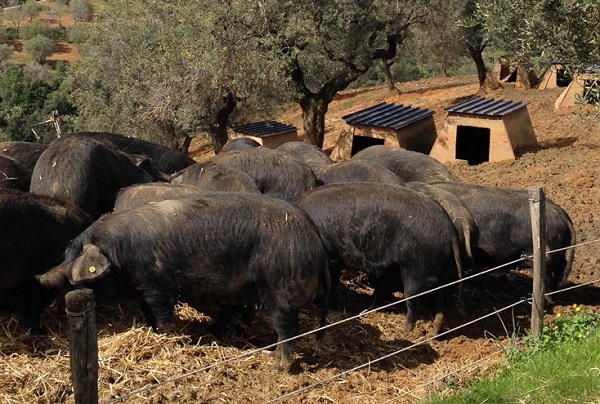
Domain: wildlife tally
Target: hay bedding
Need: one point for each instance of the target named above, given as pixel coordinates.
(132, 356)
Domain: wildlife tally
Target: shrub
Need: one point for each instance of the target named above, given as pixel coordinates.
(3, 33)
(38, 48)
(79, 33)
(11, 34)
(5, 52)
(82, 10)
(35, 28)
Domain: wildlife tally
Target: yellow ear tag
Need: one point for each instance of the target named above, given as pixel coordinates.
(92, 269)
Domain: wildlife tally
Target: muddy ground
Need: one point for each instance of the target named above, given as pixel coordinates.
(348, 368)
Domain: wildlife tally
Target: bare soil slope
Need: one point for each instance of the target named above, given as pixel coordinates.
(566, 163)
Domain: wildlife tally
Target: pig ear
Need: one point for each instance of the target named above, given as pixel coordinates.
(141, 161)
(89, 266)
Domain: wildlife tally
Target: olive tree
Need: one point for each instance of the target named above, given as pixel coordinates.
(178, 68)
(544, 30)
(441, 35)
(31, 8)
(324, 46)
(39, 48)
(165, 71)
(14, 13)
(82, 10)
(474, 36)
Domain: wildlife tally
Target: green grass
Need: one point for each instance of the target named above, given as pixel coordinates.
(561, 367)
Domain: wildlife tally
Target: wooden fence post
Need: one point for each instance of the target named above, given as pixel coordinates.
(537, 204)
(83, 345)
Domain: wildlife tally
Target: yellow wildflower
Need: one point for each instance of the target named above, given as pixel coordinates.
(577, 309)
(558, 315)
(574, 306)
(579, 335)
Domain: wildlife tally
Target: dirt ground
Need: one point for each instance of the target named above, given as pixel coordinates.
(367, 359)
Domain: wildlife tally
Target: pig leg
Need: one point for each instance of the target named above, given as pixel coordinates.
(335, 282)
(158, 310)
(222, 319)
(248, 314)
(411, 317)
(411, 288)
(33, 300)
(286, 325)
(438, 322)
(443, 299)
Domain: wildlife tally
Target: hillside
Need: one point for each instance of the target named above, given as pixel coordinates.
(566, 163)
(55, 15)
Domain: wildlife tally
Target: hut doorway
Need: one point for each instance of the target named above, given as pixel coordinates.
(362, 142)
(473, 144)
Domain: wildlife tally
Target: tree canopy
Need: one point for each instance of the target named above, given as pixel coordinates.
(28, 95)
(164, 71)
(170, 71)
(544, 30)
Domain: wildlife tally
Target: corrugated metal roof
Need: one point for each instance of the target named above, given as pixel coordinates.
(264, 128)
(485, 106)
(387, 116)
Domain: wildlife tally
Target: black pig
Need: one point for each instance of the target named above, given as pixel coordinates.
(35, 230)
(276, 173)
(312, 155)
(504, 221)
(87, 173)
(164, 159)
(215, 177)
(223, 248)
(392, 232)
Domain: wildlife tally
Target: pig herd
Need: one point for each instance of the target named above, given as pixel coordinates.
(251, 228)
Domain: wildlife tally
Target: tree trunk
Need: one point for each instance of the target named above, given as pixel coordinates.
(220, 137)
(476, 55)
(387, 71)
(314, 109)
(315, 105)
(168, 135)
(444, 67)
(185, 147)
(219, 126)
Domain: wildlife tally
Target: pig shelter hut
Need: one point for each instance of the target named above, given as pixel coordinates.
(511, 75)
(581, 84)
(397, 126)
(269, 134)
(556, 75)
(480, 129)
